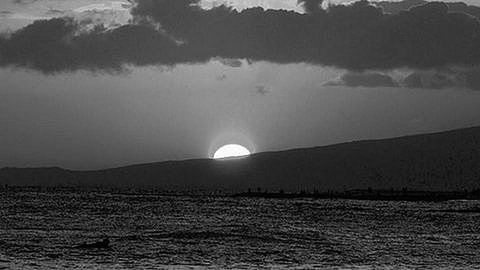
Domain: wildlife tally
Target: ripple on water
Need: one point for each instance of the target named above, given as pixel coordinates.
(38, 230)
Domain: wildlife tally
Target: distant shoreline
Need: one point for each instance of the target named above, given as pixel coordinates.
(357, 194)
(372, 195)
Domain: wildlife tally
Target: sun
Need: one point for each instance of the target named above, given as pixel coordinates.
(231, 150)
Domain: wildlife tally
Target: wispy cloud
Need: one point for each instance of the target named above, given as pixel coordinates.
(262, 89)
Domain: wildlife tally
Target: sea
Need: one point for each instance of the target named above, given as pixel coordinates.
(42, 229)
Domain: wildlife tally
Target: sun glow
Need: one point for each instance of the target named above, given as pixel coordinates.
(230, 151)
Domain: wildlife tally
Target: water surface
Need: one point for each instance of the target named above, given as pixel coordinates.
(39, 229)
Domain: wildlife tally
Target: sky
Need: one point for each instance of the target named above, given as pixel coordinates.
(99, 98)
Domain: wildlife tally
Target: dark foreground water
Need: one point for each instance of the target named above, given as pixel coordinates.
(38, 231)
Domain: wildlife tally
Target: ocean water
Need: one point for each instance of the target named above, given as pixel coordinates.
(38, 230)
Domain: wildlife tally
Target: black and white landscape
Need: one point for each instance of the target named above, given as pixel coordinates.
(240, 134)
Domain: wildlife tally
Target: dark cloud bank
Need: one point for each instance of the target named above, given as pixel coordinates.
(357, 37)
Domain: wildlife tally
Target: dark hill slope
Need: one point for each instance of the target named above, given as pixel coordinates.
(441, 161)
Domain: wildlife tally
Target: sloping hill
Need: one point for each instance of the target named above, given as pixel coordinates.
(440, 161)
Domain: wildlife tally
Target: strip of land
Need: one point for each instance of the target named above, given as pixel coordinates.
(440, 162)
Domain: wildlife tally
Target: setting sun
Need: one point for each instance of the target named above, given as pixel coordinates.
(231, 150)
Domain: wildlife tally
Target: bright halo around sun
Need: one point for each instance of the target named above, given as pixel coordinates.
(231, 151)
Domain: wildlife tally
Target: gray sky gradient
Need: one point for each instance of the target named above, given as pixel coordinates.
(87, 120)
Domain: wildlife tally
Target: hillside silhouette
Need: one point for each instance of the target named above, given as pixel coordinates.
(445, 161)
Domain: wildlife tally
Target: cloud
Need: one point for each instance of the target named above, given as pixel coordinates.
(363, 79)
(221, 77)
(23, 2)
(53, 45)
(397, 7)
(55, 12)
(110, 18)
(311, 6)
(472, 78)
(455, 77)
(167, 32)
(461, 78)
(5, 13)
(113, 5)
(262, 89)
(235, 63)
(431, 80)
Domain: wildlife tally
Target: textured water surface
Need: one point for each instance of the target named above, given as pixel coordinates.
(39, 229)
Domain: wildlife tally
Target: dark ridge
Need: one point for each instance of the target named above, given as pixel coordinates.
(446, 161)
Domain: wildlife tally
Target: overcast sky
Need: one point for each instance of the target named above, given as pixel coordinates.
(88, 113)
